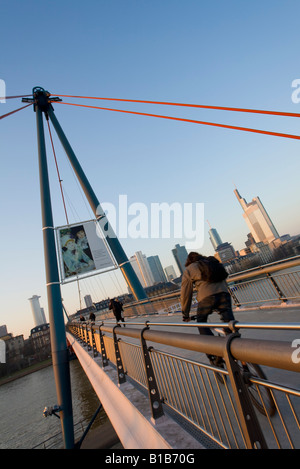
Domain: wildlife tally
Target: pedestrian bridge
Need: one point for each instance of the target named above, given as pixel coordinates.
(160, 392)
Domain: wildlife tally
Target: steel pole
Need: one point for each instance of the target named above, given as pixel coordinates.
(59, 349)
(112, 240)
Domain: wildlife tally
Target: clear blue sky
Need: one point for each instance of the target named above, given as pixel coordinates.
(238, 54)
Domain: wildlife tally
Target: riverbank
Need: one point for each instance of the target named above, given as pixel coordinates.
(26, 371)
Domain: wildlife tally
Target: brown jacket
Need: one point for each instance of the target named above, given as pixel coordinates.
(192, 277)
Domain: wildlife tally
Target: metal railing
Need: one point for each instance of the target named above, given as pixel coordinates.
(215, 403)
(268, 284)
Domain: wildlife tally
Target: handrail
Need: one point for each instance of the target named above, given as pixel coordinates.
(271, 267)
(264, 269)
(213, 325)
(273, 353)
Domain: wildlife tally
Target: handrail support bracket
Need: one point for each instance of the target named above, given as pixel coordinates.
(154, 397)
(251, 428)
(120, 368)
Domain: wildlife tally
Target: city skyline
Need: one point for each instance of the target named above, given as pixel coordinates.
(143, 269)
(145, 272)
(129, 51)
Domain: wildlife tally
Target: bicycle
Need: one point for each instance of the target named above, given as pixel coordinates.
(260, 396)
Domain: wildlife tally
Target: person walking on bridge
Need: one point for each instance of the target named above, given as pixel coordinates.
(212, 293)
(117, 309)
(208, 276)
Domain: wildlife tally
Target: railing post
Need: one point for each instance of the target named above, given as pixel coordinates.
(154, 397)
(120, 368)
(103, 350)
(234, 298)
(84, 336)
(87, 338)
(95, 352)
(81, 336)
(251, 428)
(281, 295)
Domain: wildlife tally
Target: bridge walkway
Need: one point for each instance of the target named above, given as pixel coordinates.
(268, 315)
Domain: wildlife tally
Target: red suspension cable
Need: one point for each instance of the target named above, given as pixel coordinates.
(12, 112)
(201, 106)
(245, 129)
(12, 97)
(60, 180)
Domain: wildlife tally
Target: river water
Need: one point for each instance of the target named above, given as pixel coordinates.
(22, 425)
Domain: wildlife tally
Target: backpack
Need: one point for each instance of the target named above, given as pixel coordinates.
(212, 270)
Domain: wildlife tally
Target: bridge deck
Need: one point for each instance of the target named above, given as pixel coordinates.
(107, 437)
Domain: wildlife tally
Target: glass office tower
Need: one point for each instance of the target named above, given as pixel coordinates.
(156, 269)
(180, 254)
(214, 238)
(257, 219)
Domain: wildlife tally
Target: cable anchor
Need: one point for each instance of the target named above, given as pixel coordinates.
(41, 98)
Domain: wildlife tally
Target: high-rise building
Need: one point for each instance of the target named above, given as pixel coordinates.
(88, 301)
(37, 311)
(257, 219)
(263, 250)
(225, 252)
(214, 238)
(141, 267)
(3, 331)
(170, 273)
(156, 269)
(180, 254)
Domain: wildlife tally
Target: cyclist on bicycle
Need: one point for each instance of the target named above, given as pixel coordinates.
(210, 295)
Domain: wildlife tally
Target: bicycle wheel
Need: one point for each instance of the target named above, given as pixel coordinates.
(264, 393)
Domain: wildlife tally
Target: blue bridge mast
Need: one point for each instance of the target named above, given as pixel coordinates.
(60, 357)
(42, 104)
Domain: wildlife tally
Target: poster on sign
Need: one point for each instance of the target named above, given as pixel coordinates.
(82, 251)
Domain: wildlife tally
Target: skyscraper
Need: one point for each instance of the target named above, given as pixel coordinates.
(141, 267)
(180, 254)
(225, 252)
(156, 269)
(214, 238)
(170, 273)
(257, 219)
(38, 312)
(88, 301)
